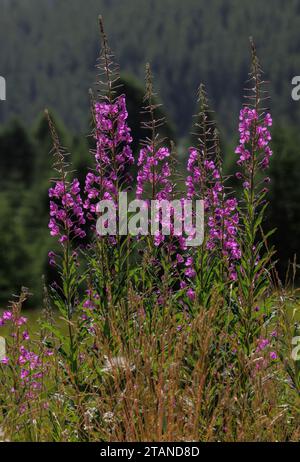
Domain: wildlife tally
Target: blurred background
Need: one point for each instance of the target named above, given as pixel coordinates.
(48, 53)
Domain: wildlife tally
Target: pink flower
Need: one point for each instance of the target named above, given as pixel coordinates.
(250, 125)
(24, 373)
(25, 335)
(262, 344)
(51, 256)
(48, 353)
(179, 258)
(189, 261)
(20, 321)
(191, 294)
(113, 155)
(66, 213)
(190, 272)
(7, 315)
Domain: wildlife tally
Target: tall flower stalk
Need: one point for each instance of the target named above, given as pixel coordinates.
(153, 177)
(111, 175)
(154, 169)
(254, 155)
(154, 185)
(113, 155)
(205, 181)
(66, 223)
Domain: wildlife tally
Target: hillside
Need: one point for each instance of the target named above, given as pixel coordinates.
(49, 48)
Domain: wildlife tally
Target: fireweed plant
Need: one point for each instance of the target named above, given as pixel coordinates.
(155, 340)
(221, 251)
(254, 155)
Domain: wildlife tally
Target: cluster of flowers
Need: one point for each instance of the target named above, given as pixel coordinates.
(154, 176)
(155, 171)
(252, 128)
(189, 273)
(264, 349)
(7, 316)
(113, 154)
(66, 211)
(88, 307)
(31, 367)
(223, 224)
(196, 175)
(222, 213)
